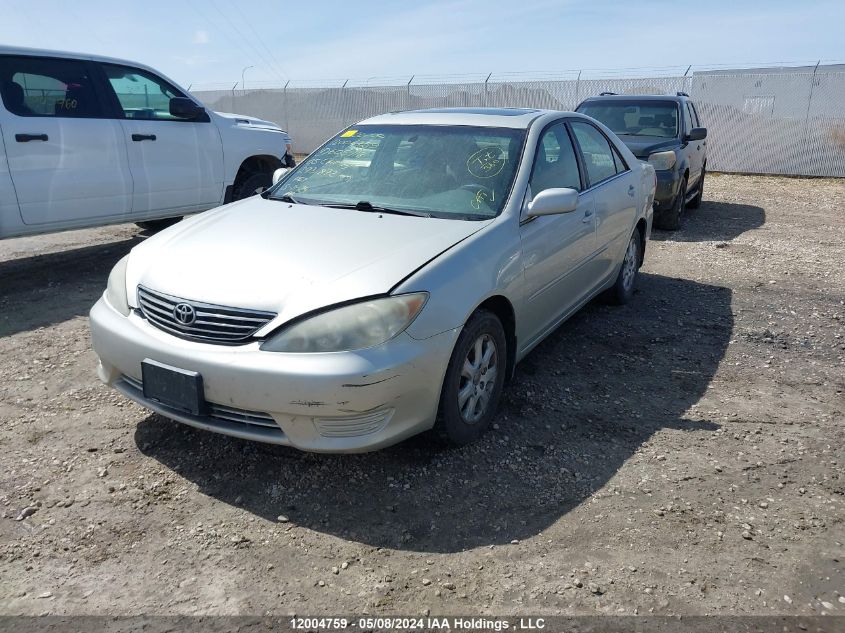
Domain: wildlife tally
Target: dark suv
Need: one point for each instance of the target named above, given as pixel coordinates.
(666, 132)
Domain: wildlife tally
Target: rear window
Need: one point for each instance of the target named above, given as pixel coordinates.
(635, 118)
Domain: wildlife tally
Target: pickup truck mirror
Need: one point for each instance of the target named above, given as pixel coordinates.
(184, 108)
(697, 134)
(552, 202)
(279, 174)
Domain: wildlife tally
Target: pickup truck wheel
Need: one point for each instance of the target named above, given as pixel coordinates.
(157, 225)
(696, 202)
(671, 219)
(252, 184)
(623, 289)
(474, 381)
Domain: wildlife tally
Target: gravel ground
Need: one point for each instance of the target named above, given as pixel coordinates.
(680, 455)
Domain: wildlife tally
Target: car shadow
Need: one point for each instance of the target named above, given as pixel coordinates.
(714, 222)
(42, 290)
(580, 405)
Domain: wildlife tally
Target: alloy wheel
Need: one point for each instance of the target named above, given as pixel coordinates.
(478, 378)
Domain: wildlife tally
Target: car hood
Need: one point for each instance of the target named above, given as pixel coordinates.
(642, 146)
(249, 121)
(288, 258)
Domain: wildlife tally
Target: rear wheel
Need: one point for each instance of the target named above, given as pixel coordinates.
(623, 289)
(474, 380)
(696, 202)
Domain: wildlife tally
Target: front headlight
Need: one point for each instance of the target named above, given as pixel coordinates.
(663, 160)
(351, 327)
(116, 288)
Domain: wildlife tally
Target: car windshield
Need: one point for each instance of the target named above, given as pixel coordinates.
(442, 171)
(632, 118)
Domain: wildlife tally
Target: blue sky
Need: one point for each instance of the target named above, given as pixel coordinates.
(205, 42)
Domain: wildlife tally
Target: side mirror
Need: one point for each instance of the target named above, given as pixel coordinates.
(552, 202)
(697, 134)
(279, 174)
(184, 108)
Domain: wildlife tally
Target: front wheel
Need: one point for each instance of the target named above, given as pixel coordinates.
(157, 225)
(253, 184)
(474, 380)
(671, 219)
(623, 289)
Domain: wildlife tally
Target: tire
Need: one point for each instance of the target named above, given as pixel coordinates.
(671, 220)
(623, 288)
(696, 202)
(157, 225)
(463, 418)
(252, 184)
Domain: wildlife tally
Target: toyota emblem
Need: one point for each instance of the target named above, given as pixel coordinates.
(184, 313)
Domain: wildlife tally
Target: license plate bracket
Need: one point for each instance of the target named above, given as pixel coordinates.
(177, 388)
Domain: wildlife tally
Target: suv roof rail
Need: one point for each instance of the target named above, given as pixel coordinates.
(607, 94)
(682, 94)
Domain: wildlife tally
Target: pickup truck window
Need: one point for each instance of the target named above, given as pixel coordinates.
(48, 87)
(142, 95)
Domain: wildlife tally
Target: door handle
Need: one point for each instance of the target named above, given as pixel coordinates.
(143, 137)
(631, 190)
(588, 217)
(25, 138)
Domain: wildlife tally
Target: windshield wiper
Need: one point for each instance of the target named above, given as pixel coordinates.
(287, 198)
(367, 207)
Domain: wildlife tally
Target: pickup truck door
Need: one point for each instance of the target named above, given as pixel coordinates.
(176, 164)
(66, 158)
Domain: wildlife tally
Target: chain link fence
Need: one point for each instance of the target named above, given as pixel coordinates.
(773, 121)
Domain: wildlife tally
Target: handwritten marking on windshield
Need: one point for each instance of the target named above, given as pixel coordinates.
(486, 162)
(482, 196)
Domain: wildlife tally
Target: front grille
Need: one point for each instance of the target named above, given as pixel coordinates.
(210, 323)
(219, 412)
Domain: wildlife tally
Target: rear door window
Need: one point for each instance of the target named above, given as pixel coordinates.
(596, 151)
(48, 87)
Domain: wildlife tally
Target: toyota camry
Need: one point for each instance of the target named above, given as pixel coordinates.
(385, 286)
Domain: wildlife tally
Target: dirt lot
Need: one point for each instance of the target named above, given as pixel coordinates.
(681, 455)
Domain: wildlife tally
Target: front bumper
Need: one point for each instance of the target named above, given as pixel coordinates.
(338, 402)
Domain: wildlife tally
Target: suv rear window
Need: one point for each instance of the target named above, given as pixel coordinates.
(635, 118)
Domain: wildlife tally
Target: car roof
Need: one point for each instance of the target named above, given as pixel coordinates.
(515, 118)
(43, 52)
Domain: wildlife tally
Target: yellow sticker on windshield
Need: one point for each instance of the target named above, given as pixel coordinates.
(348, 133)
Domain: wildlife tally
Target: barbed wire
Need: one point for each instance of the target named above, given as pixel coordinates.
(644, 72)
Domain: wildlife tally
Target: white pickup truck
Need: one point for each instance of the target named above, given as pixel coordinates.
(88, 140)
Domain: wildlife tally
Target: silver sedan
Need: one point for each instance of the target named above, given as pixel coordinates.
(385, 286)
